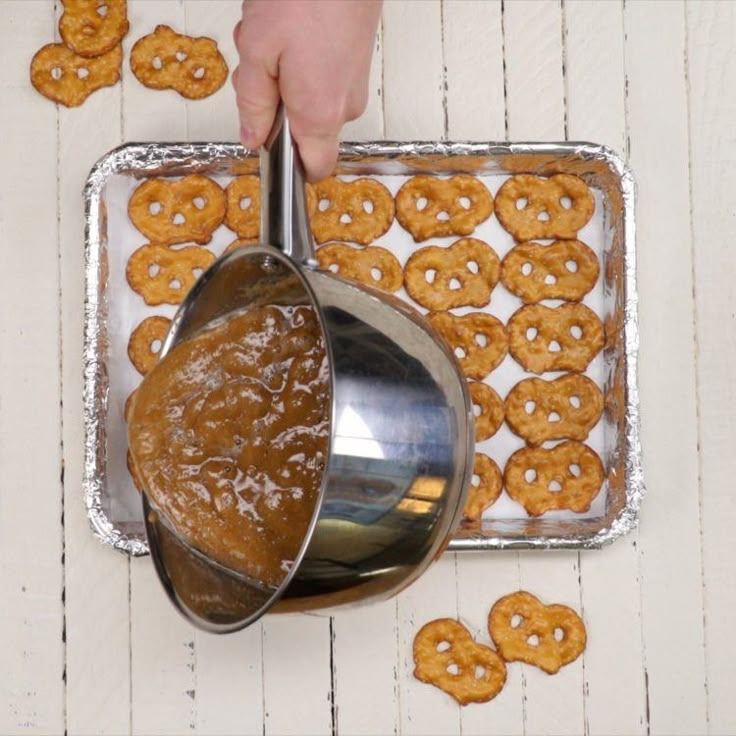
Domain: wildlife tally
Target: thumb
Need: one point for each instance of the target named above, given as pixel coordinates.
(257, 96)
(318, 154)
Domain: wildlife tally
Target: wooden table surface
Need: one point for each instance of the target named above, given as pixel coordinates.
(88, 642)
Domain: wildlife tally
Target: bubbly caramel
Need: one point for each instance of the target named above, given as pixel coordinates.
(229, 435)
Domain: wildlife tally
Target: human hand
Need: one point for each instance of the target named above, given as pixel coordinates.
(314, 55)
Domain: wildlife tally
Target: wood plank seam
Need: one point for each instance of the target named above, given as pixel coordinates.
(130, 618)
(505, 88)
(518, 571)
(333, 679)
(397, 670)
(698, 417)
(128, 565)
(681, 69)
(566, 95)
(381, 35)
(627, 155)
(445, 124)
(60, 342)
(506, 129)
(263, 680)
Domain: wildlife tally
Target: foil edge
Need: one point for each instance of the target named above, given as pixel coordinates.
(144, 157)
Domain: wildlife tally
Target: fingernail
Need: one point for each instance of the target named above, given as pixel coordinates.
(247, 137)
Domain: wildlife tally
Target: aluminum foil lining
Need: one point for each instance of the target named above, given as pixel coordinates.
(603, 170)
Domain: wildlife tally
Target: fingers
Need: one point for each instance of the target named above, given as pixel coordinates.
(318, 154)
(257, 96)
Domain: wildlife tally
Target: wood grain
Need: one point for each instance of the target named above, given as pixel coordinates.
(473, 50)
(214, 118)
(536, 111)
(413, 71)
(163, 652)
(671, 578)
(96, 578)
(297, 675)
(712, 74)
(32, 560)
(472, 40)
(609, 578)
(80, 655)
(535, 94)
(369, 126)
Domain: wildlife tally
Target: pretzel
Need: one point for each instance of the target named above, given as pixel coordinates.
(169, 212)
(69, 79)
(525, 630)
(429, 207)
(141, 351)
(566, 269)
(477, 339)
(193, 67)
(463, 275)
(543, 339)
(566, 408)
(486, 491)
(446, 656)
(239, 243)
(568, 476)
(534, 207)
(359, 211)
(243, 215)
(489, 417)
(165, 276)
(374, 265)
(93, 27)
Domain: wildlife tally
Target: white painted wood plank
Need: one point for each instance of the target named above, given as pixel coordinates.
(364, 638)
(229, 694)
(216, 683)
(536, 111)
(214, 118)
(412, 70)
(610, 586)
(594, 72)
(553, 705)
(364, 651)
(672, 612)
(414, 109)
(296, 674)
(163, 651)
(96, 580)
(219, 702)
(535, 96)
(31, 573)
(150, 114)
(712, 77)
(423, 708)
(163, 659)
(229, 689)
(482, 579)
(369, 126)
(473, 52)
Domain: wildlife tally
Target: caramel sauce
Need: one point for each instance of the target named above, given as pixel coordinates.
(229, 435)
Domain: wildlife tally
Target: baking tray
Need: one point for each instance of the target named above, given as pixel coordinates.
(112, 311)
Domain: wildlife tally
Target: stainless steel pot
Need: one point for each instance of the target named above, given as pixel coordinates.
(401, 434)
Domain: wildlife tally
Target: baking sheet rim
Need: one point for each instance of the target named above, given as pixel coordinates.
(115, 162)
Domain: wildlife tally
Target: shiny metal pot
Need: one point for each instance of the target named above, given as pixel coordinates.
(401, 434)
